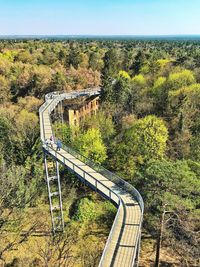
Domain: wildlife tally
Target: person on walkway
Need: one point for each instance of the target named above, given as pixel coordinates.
(46, 142)
(59, 145)
(51, 141)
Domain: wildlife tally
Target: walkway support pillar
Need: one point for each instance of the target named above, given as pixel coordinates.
(54, 192)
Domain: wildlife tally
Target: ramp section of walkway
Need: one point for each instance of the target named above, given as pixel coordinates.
(123, 244)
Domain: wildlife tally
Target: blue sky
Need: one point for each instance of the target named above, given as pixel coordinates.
(115, 17)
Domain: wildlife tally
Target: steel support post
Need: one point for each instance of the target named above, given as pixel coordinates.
(60, 197)
(49, 192)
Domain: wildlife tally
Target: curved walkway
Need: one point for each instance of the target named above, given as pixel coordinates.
(123, 244)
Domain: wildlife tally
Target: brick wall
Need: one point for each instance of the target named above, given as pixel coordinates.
(77, 113)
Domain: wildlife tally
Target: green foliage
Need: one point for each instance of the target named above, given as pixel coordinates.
(148, 137)
(164, 179)
(85, 210)
(96, 61)
(195, 147)
(159, 83)
(63, 132)
(184, 108)
(123, 74)
(172, 187)
(19, 130)
(90, 145)
(6, 131)
(144, 140)
(139, 80)
(74, 57)
(180, 79)
(121, 89)
(103, 122)
(58, 81)
(21, 185)
(139, 60)
(150, 66)
(4, 90)
(164, 62)
(111, 68)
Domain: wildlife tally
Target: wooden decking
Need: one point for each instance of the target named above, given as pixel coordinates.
(124, 240)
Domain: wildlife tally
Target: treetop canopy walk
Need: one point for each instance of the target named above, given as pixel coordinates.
(123, 244)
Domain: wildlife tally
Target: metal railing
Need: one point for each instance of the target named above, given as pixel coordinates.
(108, 174)
(52, 101)
(64, 160)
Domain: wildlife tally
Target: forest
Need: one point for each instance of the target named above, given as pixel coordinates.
(147, 131)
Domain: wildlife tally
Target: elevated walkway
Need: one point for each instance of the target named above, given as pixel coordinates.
(123, 244)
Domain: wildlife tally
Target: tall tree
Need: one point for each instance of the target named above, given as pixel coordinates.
(90, 144)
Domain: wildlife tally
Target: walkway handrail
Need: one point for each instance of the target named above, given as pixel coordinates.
(109, 175)
(52, 100)
(110, 236)
(116, 180)
(49, 148)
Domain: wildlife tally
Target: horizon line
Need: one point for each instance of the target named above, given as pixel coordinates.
(196, 34)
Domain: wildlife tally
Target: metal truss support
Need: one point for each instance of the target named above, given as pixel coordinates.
(54, 193)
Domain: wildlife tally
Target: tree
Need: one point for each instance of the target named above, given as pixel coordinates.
(29, 103)
(101, 121)
(19, 130)
(144, 140)
(195, 147)
(139, 80)
(58, 81)
(121, 89)
(160, 95)
(25, 57)
(5, 66)
(96, 61)
(85, 210)
(183, 107)
(148, 137)
(90, 251)
(4, 90)
(150, 67)
(41, 80)
(58, 250)
(15, 196)
(111, 68)
(170, 189)
(63, 132)
(6, 133)
(27, 124)
(74, 58)
(90, 144)
(185, 101)
(138, 100)
(138, 62)
(180, 79)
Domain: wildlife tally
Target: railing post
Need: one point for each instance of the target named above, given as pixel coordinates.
(95, 185)
(84, 178)
(59, 190)
(48, 187)
(61, 106)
